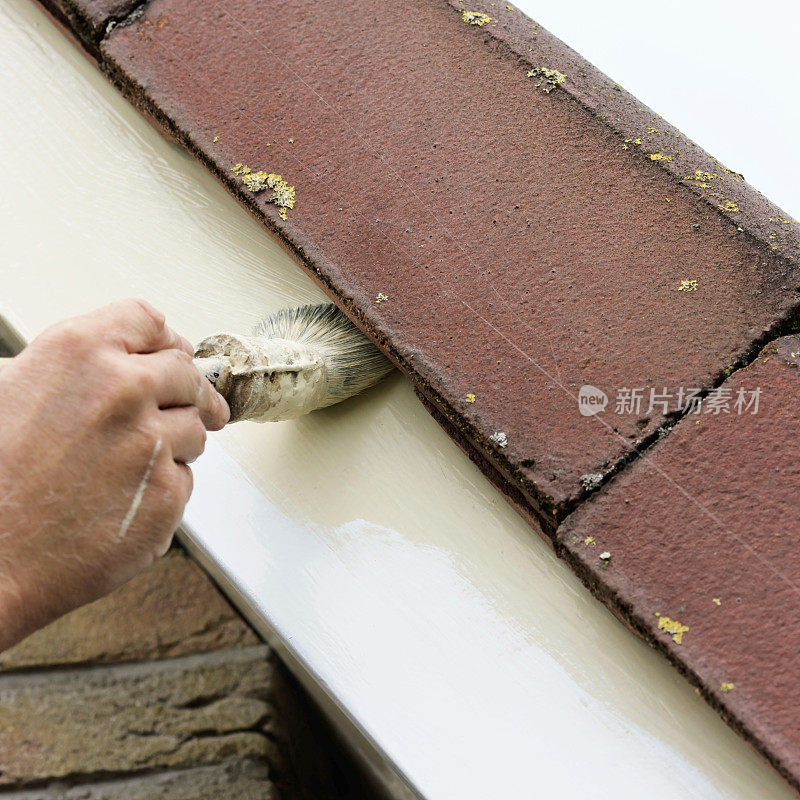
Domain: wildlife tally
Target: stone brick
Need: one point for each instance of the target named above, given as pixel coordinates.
(703, 533)
(233, 780)
(170, 609)
(524, 250)
(194, 710)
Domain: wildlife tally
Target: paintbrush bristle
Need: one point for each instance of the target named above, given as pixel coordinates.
(297, 360)
(353, 363)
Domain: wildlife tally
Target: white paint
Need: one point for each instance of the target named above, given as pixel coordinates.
(139, 495)
(397, 577)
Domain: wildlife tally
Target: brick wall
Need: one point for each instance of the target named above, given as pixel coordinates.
(161, 690)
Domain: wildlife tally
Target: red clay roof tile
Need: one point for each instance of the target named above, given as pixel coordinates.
(510, 225)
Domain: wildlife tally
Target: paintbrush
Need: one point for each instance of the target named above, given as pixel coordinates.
(296, 361)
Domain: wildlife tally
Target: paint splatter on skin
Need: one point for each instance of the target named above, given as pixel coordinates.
(137, 498)
(549, 79)
(475, 18)
(673, 627)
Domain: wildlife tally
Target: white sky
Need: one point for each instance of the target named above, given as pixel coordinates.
(725, 73)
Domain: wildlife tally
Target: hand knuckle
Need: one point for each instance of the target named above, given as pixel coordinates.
(148, 446)
(69, 337)
(129, 386)
(145, 381)
(145, 311)
(174, 495)
(162, 545)
(184, 361)
(201, 434)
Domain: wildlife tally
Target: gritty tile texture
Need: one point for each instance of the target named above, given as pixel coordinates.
(509, 225)
(193, 710)
(168, 610)
(89, 20)
(703, 532)
(233, 780)
(524, 251)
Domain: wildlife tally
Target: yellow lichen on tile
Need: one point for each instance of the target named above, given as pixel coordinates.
(470, 398)
(726, 687)
(548, 78)
(255, 181)
(283, 195)
(381, 298)
(729, 206)
(637, 140)
(673, 627)
(688, 285)
(716, 601)
(699, 175)
(475, 18)
(659, 157)
(590, 541)
(215, 139)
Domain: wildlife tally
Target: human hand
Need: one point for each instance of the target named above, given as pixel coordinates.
(99, 418)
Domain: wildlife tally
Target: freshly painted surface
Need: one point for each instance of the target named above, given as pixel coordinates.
(384, 560)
